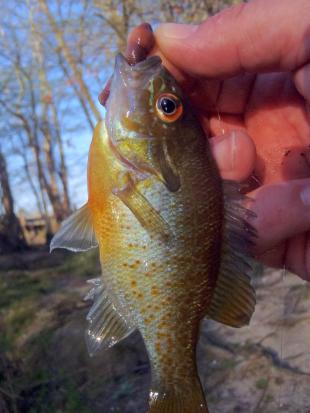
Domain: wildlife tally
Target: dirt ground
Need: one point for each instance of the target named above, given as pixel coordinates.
(264, 367)
(45, 368)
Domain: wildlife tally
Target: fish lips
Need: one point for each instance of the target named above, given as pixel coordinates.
(134, 73)
(122, 65)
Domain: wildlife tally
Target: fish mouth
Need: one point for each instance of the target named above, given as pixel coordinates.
(129, 78)
(123, 67)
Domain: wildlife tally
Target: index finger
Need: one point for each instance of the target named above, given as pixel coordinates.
(261, 35)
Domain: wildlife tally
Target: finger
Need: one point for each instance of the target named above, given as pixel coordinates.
(274, 257)
(292, 254)
(260, 35)
(139, 43)
(234, 154)
(282, 212)
(302, 81)
(297, 257)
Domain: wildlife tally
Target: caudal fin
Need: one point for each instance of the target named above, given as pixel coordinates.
(185, 399)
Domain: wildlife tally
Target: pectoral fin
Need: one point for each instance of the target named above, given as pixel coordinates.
(76, 233)
(148, 217)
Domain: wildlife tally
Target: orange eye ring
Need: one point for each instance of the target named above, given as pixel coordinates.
(169, 107)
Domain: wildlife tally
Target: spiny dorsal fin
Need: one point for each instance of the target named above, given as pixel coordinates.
(106, 326)
(233, 300)
(76, 233)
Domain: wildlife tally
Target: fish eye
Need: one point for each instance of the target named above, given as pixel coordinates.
(169, 107)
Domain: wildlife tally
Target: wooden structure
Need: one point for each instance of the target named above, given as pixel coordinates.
(37, 229)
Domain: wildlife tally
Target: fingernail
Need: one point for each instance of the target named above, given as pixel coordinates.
(305, 196)
(147, 26)
(224, 150)
(176, 31)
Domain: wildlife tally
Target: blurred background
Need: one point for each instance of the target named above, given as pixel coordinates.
(55, 57)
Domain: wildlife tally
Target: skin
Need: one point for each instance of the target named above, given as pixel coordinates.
(247, 72)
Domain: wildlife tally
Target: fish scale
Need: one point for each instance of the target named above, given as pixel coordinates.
(160, 298)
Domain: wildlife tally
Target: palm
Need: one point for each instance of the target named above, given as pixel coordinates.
(270, 110)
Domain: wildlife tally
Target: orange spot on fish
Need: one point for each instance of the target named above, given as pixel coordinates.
(133, 284)
(154, 290)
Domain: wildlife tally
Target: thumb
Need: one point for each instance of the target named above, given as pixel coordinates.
(235, 154)
(257, 36)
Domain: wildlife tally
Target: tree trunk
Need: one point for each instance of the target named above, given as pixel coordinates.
(70, 59)
(11, 234)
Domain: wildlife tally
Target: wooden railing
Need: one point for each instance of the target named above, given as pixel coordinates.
(37, 229)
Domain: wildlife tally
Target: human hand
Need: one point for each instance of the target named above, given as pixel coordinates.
(247, 73)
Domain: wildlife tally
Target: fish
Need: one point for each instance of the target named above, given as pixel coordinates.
(173, 237)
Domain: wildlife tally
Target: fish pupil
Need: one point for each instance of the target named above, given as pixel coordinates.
(167, 105)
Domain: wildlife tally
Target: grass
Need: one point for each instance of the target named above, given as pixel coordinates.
(261, 383)
(35, 304)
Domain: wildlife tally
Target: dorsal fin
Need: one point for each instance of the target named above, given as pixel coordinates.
(233, 300)
(106, 325)
(76, 233)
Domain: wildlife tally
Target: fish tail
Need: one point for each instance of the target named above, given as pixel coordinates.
(188, 398)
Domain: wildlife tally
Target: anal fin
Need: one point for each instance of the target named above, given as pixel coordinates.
(106, 325)
(233, 300)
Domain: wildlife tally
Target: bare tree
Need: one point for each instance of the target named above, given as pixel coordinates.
(70, 59)
(11, 235)
(55, 58)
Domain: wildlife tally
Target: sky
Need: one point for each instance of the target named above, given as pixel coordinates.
(77, 140)
(76, 155)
